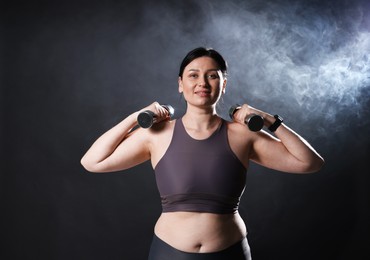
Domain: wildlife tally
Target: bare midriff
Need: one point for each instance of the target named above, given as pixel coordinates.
(200, 232)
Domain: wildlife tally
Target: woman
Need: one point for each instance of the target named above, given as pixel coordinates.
(200, 163)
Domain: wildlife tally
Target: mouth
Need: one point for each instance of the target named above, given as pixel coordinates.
(203, 93)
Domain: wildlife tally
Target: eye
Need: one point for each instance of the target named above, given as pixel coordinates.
(213, 76)
(193, 75)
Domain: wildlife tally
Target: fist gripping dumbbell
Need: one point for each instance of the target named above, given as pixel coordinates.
(253, 121)
(147, 118)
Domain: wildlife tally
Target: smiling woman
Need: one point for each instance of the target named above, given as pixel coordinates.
(200, 163)
(202, 82)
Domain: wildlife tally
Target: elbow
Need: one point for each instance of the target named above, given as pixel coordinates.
(95, 167)
(314, 165)
(318, 164)
(88, 166)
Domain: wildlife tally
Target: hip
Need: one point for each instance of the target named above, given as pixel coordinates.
(160, 250)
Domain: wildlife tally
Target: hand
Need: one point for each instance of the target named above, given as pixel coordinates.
(160, 112)
(244, 112)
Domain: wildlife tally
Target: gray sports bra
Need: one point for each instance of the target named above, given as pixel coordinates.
(200, 175)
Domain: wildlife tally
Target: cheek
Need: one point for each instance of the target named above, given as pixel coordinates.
(187, 85)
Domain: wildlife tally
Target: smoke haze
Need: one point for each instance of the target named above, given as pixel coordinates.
(312, 60)
(73, 69)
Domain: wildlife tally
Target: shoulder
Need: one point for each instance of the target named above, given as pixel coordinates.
(234, 129)
(162, 128)
(240, 130)
(150, 135)
(240, 135)
(161, 132)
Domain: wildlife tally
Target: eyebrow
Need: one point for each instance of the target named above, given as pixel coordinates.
(207, 70)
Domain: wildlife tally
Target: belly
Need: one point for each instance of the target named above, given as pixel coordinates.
(200, 232)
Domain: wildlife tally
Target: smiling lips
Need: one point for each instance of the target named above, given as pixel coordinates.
(203, 93)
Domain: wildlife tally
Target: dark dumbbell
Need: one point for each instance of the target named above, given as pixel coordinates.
(147, 118)
(254, 122)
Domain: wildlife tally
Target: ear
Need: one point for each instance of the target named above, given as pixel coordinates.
(224, 86)
(180, 85)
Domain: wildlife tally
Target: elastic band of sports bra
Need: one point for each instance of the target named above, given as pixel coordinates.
(200, 202)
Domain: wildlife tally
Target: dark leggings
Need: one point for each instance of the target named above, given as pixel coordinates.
(160, 250)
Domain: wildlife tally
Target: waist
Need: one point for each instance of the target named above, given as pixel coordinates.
(200, 232)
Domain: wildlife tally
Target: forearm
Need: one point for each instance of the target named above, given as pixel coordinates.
(296, 145)
(287, 152)
(105, 145)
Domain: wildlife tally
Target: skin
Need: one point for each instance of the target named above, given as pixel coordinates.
(202, 85)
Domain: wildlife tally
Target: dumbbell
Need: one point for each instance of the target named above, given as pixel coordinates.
(147, 118)
(253, 121)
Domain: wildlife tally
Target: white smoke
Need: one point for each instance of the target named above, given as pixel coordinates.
(313, 61)
(306, 61)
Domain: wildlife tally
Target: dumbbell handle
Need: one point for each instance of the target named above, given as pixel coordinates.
(147, 118)
(253, 121)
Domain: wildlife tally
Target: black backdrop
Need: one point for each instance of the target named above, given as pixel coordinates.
(70, 70)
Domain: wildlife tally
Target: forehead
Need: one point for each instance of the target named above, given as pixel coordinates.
(202, 63)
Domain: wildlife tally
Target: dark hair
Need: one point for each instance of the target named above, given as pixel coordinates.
(201, 52)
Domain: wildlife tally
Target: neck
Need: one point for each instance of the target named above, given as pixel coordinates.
(201, 119)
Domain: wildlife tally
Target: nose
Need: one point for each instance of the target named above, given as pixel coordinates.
(202, 82)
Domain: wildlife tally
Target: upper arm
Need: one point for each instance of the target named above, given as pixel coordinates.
(133, 150)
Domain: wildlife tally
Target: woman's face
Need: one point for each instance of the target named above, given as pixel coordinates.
(202, 82)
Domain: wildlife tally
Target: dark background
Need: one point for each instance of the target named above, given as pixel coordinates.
(70, 70)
